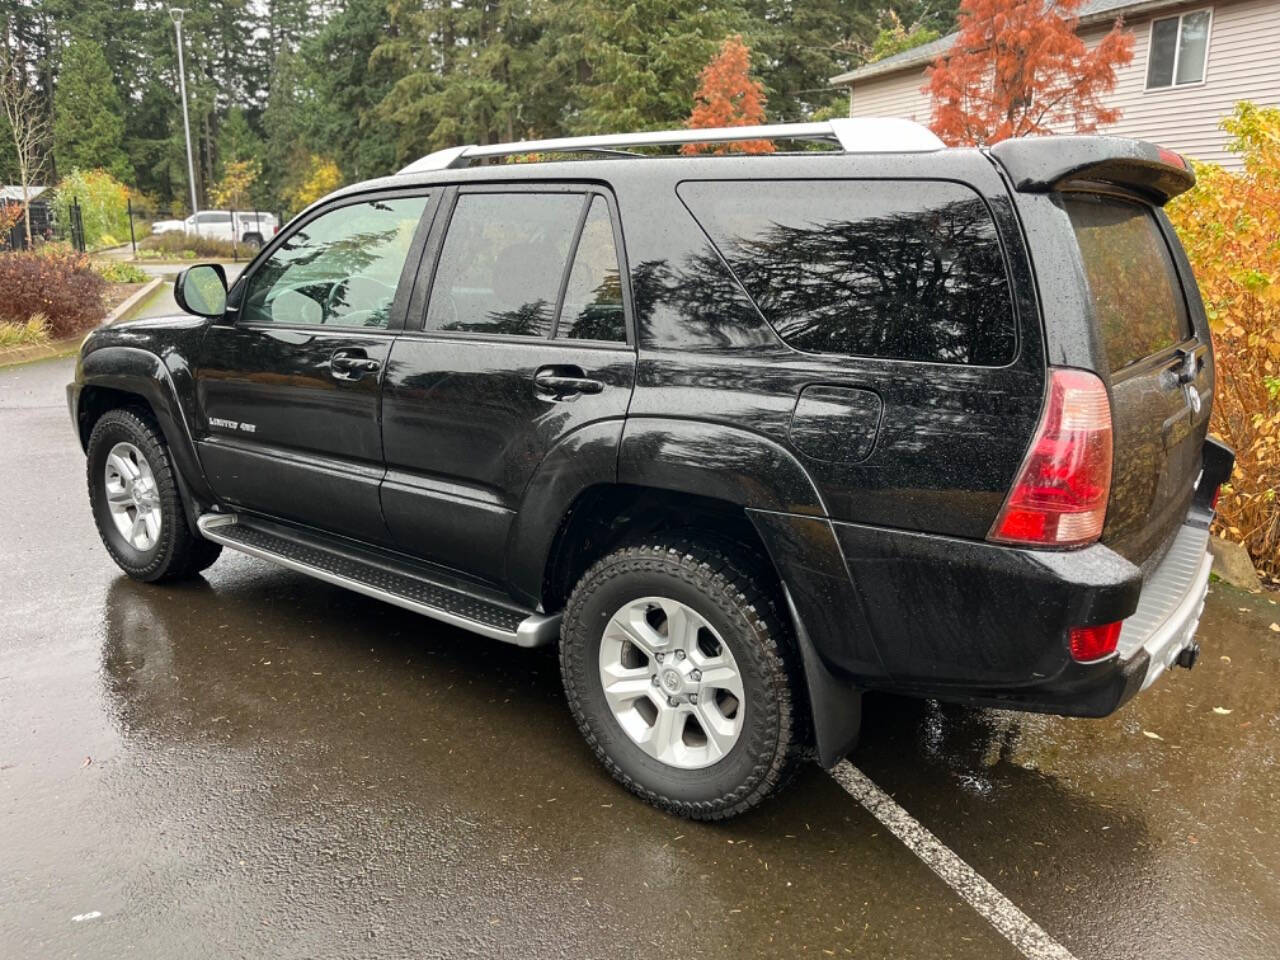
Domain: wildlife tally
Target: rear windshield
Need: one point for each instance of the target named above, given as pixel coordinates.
(1136, 297)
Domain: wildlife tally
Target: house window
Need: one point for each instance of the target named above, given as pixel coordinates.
(1179, 48)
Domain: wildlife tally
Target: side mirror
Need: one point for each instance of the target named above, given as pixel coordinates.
(202, 290)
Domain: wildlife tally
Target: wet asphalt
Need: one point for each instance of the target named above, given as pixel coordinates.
(256, 764)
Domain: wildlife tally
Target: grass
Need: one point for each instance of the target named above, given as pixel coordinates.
(118, 271)
(33, 333)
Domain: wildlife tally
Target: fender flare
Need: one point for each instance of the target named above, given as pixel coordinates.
(585, 458)
(142, 373)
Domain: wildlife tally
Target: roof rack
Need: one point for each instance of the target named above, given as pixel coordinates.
(852, 134)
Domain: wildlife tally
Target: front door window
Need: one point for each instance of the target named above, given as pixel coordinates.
(340, 269)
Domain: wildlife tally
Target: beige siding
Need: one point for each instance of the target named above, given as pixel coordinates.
(1243, 64)
(894, 95)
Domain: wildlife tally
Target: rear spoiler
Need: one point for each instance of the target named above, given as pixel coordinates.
(1041, 164)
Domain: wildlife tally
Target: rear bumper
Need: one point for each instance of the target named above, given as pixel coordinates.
(1171, 604)
(988, 624)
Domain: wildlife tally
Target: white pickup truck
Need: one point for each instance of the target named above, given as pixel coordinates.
(251, 229)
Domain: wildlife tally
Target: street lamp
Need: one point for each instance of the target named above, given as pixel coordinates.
(176, 14)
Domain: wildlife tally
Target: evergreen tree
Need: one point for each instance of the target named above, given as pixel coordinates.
(632, 66)
(349, 84)
(88, 117)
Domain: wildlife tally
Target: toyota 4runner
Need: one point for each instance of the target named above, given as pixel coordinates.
(746, 436)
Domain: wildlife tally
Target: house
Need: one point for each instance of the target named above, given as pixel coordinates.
(1191, 63)
(41, 215)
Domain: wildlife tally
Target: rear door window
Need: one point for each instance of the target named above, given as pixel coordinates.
(503, 261)
(592, 308)
(905, 270)
(1134, 288)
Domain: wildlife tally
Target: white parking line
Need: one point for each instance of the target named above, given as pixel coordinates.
(1014, 925)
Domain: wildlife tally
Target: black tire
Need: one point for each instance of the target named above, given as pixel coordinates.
(731, 590)
(177, 552)
(252, 240)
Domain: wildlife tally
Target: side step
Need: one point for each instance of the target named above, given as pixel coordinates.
(434, 595)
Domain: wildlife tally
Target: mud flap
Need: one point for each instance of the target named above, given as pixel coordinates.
(834, 702)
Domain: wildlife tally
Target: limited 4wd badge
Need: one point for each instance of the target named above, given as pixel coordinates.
(232, 425)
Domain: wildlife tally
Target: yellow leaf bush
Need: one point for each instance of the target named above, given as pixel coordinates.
(1230, 225)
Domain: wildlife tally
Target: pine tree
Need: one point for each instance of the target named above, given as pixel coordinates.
(616, 71)
(1018, 69)
(88, 118)
(728, 97)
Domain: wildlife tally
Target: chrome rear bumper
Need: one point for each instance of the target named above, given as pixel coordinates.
(1171, 604)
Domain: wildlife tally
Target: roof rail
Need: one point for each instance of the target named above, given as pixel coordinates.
(853, 134)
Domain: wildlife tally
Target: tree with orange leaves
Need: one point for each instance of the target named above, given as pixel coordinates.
(728, 97)
(1018, 68)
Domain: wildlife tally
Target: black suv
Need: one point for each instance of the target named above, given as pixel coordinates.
(745, 435)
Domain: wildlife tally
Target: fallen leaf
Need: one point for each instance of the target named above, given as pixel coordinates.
(1153, 736)
(1274, 628)
(1224, 658)
(1221, 711)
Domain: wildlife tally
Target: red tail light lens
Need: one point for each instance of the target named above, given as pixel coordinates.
(1213, 501)
(1094, 643)
(1060, 497)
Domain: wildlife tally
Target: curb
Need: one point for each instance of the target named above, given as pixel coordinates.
(58, 348)
(120, 311)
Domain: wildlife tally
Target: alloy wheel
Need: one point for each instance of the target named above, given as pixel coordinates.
(671, 682)
(132, 496)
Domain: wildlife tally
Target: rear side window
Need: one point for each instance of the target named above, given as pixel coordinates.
(905, 270)
(502, 263)
(592, 307)
(1136, 297)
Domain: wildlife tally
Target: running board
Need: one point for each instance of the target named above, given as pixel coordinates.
(457, 603)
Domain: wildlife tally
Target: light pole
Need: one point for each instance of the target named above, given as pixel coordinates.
(176, 14)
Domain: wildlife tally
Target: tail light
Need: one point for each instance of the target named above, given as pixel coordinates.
(1060, 497)
(1094, 643)
(275, 229)
(1213, 501)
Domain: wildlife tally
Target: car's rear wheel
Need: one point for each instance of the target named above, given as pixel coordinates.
(134, 495)
(677, 666)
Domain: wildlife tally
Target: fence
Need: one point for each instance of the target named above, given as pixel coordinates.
(238, 233)
(42, 225)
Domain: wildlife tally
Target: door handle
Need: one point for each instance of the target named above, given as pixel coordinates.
(561, 382)
(352, 364)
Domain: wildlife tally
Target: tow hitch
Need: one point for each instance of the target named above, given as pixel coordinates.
(1188, 656)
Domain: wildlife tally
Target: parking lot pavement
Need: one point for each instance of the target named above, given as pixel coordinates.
(258, 764)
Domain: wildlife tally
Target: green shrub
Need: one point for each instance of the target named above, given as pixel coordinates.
(182, 246)
(119, 271)
(58, 284)
(104, 205)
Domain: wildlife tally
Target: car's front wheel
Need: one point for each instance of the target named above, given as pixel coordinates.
(677, 666)
(134, 495)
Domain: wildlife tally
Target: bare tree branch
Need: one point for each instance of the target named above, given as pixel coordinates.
(28, 124)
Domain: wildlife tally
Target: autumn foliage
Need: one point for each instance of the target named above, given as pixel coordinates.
(1229, 224)
(727, 96)
(55, 282)
(1019, 69)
